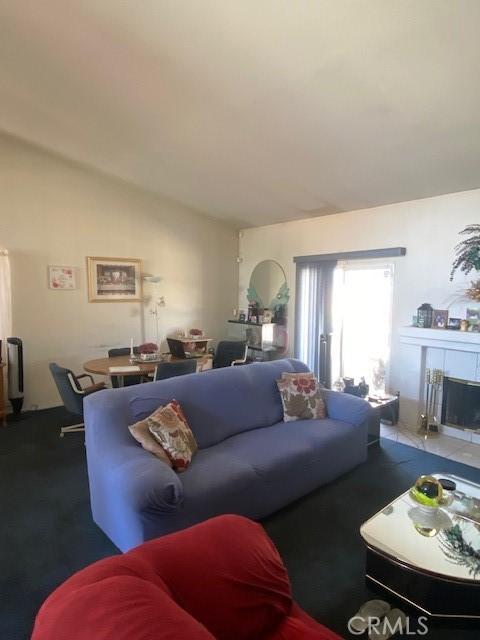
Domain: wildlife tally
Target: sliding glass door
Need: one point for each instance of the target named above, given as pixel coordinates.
(361, 317)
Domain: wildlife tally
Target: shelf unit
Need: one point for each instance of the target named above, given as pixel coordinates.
(267, 338)
(252, 324)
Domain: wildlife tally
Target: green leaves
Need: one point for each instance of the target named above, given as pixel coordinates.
(468, 251)
(459, 551)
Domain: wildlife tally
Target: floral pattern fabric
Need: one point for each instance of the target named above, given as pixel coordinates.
(301, 397)
(169, 426)
(140, 432)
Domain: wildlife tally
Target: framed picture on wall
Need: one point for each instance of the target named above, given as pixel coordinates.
(114, 279)
(61, 278)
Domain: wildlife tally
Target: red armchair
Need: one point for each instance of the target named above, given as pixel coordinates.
(221, 579)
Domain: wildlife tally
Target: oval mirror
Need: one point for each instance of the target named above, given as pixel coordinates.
(268, 285)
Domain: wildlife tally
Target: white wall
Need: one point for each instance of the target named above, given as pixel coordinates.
(55, 212)
(427, 228)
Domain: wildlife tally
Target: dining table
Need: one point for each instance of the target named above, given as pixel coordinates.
(102, 366)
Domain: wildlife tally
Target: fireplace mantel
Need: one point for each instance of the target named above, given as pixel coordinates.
(441, 339)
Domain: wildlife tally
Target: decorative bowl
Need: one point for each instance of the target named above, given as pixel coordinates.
(427, 492)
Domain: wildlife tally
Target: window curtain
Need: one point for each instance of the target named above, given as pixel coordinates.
(5, 297)
(313, 316)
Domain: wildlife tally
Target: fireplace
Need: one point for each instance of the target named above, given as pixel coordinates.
(461, 404)
(457, 354)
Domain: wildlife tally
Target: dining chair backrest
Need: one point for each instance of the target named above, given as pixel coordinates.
(229, 351)
(166, 370)
(68, 387)
(122, 351)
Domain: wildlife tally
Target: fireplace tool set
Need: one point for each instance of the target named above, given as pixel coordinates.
(428, 419)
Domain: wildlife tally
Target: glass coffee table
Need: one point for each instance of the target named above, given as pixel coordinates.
(429, 558)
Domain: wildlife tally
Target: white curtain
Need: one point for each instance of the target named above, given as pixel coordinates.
(5, 296)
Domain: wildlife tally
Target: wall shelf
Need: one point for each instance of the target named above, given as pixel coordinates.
(252, 324)
(268, 337)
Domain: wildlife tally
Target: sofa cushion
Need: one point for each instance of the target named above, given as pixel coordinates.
(301, 397)
(218, 403)
(272, 452)
(246, 474)
(223, 477)
(170, 429)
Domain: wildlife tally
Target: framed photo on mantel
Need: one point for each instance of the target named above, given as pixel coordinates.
(440, 319)
(114, 279)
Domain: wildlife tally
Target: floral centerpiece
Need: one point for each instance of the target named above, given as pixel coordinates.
(148, 352)
(148, 347)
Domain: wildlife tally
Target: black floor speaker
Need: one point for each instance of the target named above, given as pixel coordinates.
(15, 374)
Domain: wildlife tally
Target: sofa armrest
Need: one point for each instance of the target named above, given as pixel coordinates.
(146, 483)
(345, 407)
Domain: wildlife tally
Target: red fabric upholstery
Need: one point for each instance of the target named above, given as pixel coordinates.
(220, 579)
(298, 625)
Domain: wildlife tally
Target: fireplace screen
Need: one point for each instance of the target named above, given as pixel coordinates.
(461, 403)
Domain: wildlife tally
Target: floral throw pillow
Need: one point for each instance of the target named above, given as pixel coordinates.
(301, 397)
(140, 432)
(290, 376)
(169, 426)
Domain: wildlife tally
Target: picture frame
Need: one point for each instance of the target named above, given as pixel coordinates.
(61, 278)
(267, 316)
(114, 279)
(454, 323)
(440, 319)
(473, 316)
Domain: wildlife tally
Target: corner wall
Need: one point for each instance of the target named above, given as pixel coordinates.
(55, 212)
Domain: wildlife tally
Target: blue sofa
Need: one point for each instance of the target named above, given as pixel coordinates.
(249, 461)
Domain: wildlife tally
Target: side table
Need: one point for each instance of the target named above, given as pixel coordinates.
(385, 407)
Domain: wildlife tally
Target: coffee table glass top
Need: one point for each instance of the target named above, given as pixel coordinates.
(445, 542)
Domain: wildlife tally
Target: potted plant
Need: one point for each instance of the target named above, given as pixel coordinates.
(468, 258)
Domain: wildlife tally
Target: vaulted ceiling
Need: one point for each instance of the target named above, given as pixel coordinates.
(255, 111)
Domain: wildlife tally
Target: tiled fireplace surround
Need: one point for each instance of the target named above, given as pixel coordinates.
(456, 353)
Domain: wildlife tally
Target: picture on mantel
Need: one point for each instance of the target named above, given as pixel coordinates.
(440, 319)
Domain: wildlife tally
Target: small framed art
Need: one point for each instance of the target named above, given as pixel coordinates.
(61, 278)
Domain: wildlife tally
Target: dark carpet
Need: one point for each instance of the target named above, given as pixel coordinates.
(47, 532)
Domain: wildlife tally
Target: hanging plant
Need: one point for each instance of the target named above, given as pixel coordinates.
(468, 251)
